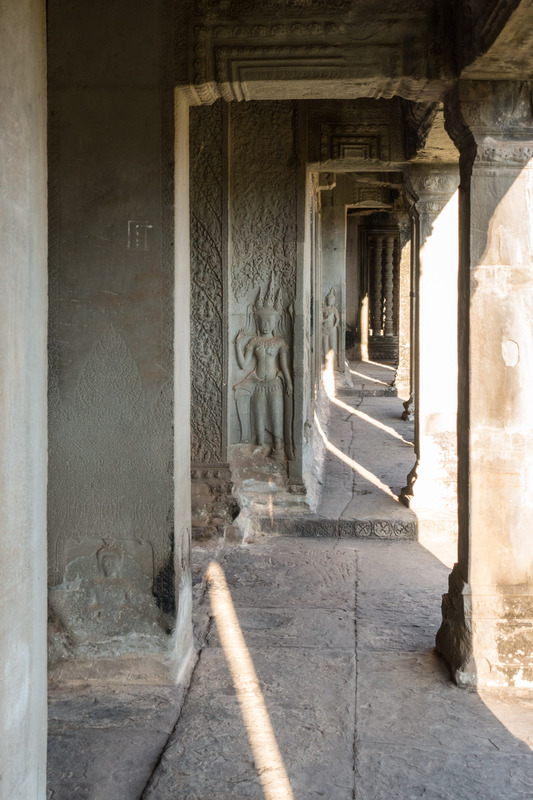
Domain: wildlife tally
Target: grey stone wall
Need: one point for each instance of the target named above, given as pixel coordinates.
(23, 400)
(111, 547)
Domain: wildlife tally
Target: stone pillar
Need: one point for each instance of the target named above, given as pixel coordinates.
(402, 381)
(333, 221)
(23, 304)
(388, 285)
(213, 504)
(486, 634)
(377, 305)
(119, 371)
(432, 484)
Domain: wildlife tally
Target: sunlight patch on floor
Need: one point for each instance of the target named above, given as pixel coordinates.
(267, 757)
(364, 473)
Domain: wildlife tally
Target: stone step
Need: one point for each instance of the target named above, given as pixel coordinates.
(313, 526)
(366, 391)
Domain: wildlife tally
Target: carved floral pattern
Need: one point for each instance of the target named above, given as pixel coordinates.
(207, 285)
(263, 198)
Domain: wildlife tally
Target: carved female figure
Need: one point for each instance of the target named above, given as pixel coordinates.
(264, 395)
(330, 326)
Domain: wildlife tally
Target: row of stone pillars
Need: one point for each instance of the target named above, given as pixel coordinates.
(382, 258)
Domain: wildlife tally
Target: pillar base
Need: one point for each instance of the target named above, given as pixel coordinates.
(409, 409)
(486, 635)
(214, 507)
(454, 638)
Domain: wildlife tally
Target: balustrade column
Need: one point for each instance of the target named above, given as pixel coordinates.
(388, 287)
(377, 304)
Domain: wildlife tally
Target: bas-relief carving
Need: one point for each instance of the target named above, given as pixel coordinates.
(207, 285)
(105, 597)
(263, 196)
(264, 395)
(111, 455)
(331, 329)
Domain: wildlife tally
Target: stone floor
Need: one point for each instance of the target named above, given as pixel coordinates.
(316, 675)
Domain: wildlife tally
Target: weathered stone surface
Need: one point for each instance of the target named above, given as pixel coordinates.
(111, 328)
(23, 436)
(492, 124)
(106, 744)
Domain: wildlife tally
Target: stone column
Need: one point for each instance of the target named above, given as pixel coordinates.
(377, 306)
(119, 372)
(402, 381)
(333, 221)
(432, 484)
(213, 504)
(388, 285)
(23, 304)
(486, 634)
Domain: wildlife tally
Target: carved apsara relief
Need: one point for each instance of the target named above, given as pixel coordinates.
(207, 285)
(331, 327)
(263, 396)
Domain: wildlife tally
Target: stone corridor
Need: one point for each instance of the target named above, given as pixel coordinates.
(340, 631)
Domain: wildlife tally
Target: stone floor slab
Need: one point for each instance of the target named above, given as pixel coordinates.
(393, 772)
(313, 730)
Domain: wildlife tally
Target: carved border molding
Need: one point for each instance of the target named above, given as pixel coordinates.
(372, 141)
(494, 151)
(226, 58)
(210, 472)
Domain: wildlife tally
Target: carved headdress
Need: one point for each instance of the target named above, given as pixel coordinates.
(332, 295)
(269, 302)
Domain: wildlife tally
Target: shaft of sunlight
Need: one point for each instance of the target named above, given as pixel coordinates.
(364, 473)
(328, 379)
(268, 760)
(378, 364)
(368, 378)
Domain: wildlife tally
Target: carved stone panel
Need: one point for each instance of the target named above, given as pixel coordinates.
(263, 196)
(114, 550)
(263, 227)
(263, 395)
(110, 461)
(207, 285)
